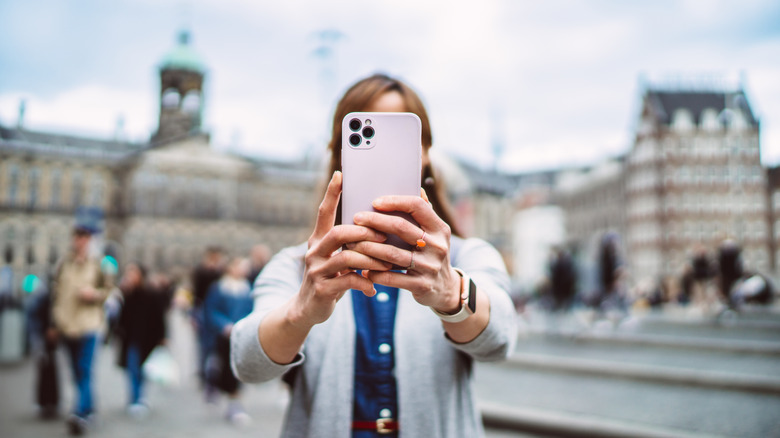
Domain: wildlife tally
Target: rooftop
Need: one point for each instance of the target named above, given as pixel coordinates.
(183, 56)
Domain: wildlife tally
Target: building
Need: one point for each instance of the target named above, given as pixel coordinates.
(490, 211)
(162, 201)
(694, 177)
(773, 208)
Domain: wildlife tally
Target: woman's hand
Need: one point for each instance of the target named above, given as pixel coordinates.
(328, 272)
(431, 279)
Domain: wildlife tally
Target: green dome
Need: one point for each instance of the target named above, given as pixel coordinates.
(183, 56)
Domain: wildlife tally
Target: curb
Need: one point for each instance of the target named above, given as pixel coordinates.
(714, 323)
(572, 424)
(687, 343)
(647, 373)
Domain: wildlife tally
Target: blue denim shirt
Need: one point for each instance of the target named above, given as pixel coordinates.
(375, 394)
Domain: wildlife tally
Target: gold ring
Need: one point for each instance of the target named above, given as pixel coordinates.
(421, 241)
(411, 262)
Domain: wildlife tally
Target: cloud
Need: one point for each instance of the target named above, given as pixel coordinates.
(89, 110)
(555, 82)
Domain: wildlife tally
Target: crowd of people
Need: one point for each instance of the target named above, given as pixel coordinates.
(371, 338)
(86, 307)
(712, 282)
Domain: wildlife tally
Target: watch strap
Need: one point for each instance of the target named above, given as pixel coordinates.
(467, 296)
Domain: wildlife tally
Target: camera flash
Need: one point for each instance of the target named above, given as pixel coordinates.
(368, 122)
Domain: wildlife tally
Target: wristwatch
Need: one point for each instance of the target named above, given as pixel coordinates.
(468, 300)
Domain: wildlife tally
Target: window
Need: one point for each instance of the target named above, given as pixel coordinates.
(33, 179)
(76, 189)
(709, 120)
(96, 191)
(170, 98)
(14, 174)
(56, 183)
(682, 120)
(191, 103)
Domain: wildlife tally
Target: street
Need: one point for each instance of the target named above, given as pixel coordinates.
(175, 411)
(650, 375)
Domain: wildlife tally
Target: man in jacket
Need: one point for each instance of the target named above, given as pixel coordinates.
(79, 291)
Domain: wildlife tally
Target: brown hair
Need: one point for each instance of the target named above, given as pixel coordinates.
(359, 97)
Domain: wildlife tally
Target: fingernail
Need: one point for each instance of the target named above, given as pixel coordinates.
(350, 246)
(364, 273)
(378, 202)
(359, 217)
(380, 237)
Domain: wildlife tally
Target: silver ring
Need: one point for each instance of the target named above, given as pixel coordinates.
(411, 262)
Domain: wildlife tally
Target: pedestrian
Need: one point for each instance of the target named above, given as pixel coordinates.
(702, 271)
(380, 352)
(208, 271)
(141, 328)
(44, 348)
(79, 290)
(610, 272)
(258, 257)
(563, 278)
(730, 268)
(227, 301)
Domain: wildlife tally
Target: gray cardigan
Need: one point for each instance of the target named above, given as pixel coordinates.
(435, 397)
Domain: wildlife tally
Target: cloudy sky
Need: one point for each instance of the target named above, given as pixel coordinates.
(556, 83)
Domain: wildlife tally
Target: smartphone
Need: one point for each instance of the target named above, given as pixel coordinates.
(381, 154)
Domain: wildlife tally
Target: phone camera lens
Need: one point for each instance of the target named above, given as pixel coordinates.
(354, 139)
(354, 124)
(368, 132)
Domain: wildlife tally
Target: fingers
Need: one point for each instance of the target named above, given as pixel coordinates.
(341, 235)
(413, 283)
(423, 264)
(424, 195)
(389, 224)
(348, 260)
(350, 281)
(326, 214)
(419, 208)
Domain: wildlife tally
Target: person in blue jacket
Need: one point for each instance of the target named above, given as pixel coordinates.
(227, 301)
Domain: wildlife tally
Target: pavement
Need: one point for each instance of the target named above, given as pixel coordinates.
(177, 411)
(645, 376)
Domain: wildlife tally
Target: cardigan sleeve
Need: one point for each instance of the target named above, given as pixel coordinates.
(486, 268)
(279, 281)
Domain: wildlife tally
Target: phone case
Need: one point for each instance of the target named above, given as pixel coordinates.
(387, 163)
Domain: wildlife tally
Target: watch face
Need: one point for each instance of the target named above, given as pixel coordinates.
(472, 296)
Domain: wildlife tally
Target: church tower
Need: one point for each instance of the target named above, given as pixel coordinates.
(182, 72)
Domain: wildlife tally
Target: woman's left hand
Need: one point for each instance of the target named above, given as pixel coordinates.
(429, 276)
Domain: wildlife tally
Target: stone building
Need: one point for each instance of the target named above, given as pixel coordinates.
(773, 208)
(594, 199)
(162, 201)
(694, 177)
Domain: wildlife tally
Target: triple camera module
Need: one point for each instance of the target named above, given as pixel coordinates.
(368, 132)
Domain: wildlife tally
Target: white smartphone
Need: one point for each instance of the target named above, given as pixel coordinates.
(381, 154)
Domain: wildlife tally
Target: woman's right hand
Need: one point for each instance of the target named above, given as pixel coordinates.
(328, 272)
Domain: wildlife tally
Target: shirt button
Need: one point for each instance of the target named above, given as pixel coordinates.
(385, 413)
(382, 297)
(384, 348)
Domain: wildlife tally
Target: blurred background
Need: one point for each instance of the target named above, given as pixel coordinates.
(622, 157)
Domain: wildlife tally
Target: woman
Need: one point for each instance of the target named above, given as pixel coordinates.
(375, 359)
(141, 329)
(227, 301)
